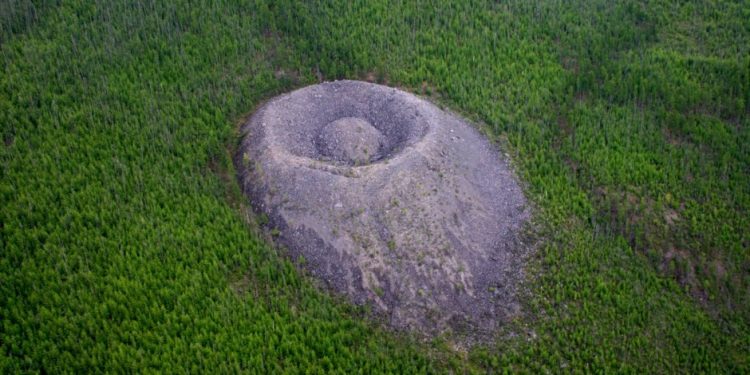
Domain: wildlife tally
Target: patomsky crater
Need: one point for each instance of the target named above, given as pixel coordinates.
(391, 201)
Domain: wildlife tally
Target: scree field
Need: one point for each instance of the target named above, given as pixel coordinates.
(125, 244)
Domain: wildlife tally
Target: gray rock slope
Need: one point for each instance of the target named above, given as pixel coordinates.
(391, 201)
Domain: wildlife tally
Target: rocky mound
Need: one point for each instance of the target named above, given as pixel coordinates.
(391, 201)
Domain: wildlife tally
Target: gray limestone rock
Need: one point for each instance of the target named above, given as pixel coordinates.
(391, 201)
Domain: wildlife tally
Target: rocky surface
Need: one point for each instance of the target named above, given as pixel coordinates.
(391, 201)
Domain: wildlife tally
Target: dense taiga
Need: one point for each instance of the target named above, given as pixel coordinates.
(126, 243)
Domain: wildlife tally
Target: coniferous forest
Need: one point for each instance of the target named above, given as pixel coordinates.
(126, 245)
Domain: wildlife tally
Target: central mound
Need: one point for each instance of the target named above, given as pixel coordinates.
(350, 140)
(390, 201)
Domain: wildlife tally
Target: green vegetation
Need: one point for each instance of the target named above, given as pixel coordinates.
(123, 242)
